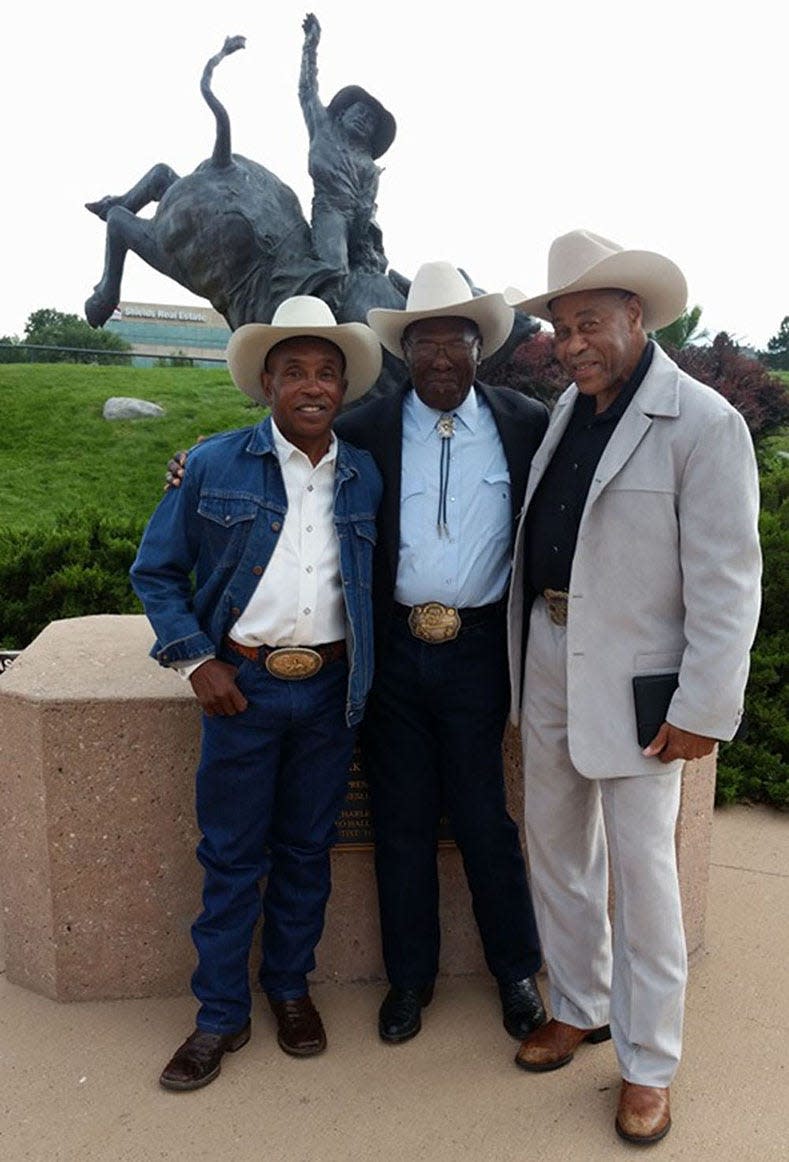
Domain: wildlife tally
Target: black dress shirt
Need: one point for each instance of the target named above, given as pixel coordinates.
(558, 502)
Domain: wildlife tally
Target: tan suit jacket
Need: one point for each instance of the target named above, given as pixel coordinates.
(665, 574)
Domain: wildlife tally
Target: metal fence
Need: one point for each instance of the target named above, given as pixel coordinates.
(27, 353)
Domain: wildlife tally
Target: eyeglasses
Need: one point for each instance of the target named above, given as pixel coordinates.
(427, 349)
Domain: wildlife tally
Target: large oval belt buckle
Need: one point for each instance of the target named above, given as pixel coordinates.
(292, 663)
(434, 622)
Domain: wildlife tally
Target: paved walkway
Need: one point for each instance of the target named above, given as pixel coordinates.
(78, 1082)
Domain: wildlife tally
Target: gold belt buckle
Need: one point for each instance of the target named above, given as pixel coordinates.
(434, 622)
(556, 600)
(292, 663)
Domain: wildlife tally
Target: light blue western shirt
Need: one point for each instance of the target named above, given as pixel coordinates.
(470, 564)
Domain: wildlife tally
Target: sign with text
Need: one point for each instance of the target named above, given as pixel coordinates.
(355, 824)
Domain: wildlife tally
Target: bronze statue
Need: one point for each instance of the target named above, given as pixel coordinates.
(233, 233)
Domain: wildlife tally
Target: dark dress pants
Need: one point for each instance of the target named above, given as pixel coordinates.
(270, 785)
(432, 742)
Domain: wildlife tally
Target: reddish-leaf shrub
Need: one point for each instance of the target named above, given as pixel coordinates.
(762, 398)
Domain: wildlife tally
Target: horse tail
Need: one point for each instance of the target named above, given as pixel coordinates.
(222, 155)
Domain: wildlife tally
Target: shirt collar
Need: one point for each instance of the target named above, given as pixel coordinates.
(424, 419)
(285, 449)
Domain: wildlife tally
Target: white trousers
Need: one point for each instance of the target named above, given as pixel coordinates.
(576, 828)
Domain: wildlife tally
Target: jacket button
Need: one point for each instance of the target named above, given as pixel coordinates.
(236, 612)
(257, 570)
(275, 526)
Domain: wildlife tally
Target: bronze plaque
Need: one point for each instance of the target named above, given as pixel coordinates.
(355, 824)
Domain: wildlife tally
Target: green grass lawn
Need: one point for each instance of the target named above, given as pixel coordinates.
(58, 454)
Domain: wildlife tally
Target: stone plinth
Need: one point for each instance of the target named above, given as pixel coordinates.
(98, 746)
(98, 880)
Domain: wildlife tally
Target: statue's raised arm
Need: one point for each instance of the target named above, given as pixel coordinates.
(312, 108)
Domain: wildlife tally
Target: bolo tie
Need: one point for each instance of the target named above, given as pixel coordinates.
(446, 430)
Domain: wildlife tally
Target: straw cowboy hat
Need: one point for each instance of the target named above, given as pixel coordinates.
(385, 127)
(303, 315)
(440, 289)
(582, 261)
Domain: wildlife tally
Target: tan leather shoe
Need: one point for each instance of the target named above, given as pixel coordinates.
(299, 1027)
(553, 1045)
(643, 1116)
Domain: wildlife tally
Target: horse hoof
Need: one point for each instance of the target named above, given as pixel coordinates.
(102, 207)
(98, 310)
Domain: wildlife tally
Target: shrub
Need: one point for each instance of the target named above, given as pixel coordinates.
(762, 398)
(76, 568)
(533, 370)
(756, 767)
(746, 383)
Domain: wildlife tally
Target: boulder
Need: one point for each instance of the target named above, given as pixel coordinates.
(124, 407)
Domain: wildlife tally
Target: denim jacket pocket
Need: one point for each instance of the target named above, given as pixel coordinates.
(228, 519)
(227, 510)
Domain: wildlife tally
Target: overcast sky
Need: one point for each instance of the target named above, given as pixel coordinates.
(660, 125)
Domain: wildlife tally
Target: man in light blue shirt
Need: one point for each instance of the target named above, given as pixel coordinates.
(454, 455)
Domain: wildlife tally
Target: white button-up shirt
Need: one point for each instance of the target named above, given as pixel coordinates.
(298, 600)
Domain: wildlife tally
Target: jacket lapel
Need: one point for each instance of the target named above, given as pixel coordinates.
(658, 395)
(389, 454)
(556, 428)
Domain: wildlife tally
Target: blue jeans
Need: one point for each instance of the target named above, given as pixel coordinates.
(270, 785)
(431, 742)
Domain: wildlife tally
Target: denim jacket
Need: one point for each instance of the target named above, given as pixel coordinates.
(222, 525)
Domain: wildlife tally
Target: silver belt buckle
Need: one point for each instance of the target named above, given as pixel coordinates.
(556, 600)
(293, 663)
(434, 623)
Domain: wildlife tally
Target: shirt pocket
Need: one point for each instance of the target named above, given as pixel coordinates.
(498, 485)
(418, 508)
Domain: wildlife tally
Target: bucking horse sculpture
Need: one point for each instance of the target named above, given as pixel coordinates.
(233, 233)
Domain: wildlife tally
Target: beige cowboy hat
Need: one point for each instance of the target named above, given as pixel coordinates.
(440, 289)
(582, 261)
(303, 315)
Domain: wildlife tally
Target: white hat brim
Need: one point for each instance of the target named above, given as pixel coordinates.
(657, 281)
(492, 315)
(250, 344)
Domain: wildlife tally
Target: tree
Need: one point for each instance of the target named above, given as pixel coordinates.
(778, 347)
(50, 328)
(683, 331)
(11, 350)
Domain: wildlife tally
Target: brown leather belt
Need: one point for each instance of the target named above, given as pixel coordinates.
(556, 600)
(291, 663)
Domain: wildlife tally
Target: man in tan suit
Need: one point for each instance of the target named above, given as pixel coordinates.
(637, 553)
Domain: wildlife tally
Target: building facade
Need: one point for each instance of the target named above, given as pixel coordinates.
(163, 331)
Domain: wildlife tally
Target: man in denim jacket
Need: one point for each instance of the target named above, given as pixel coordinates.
(276, 526)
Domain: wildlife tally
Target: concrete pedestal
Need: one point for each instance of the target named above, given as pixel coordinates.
(98, 880)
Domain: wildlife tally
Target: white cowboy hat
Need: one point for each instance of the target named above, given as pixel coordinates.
(303, 315)
(440, 289)
(582, 261)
